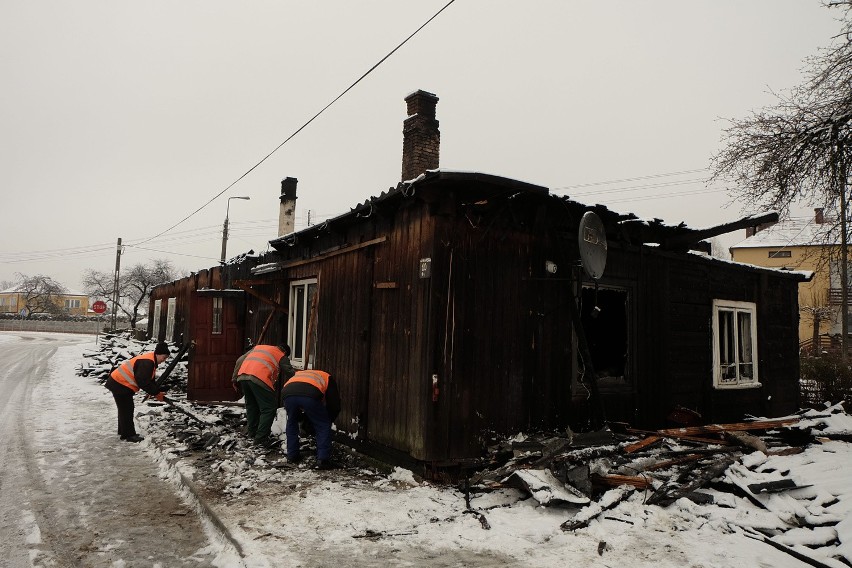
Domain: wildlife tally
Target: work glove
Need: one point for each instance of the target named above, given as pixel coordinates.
(161, 396)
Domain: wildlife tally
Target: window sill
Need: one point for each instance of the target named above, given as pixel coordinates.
(754, 385)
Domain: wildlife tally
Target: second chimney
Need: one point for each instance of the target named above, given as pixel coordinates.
(287, 211)
(421, 139)
(819, 216)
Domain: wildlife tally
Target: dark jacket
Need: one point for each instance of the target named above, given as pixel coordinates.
(285, 371)
(143, 373)
(331, 399)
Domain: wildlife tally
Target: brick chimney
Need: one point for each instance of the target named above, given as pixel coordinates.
(421, 139)
(819, 216)
(287, 210)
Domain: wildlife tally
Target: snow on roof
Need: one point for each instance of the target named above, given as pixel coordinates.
(17, 288)
(806, 274)
(797, 231)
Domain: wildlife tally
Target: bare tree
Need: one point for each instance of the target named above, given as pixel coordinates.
(40, 294)
(134, 285)
(140, 279)
(799, 150)
(817, 310)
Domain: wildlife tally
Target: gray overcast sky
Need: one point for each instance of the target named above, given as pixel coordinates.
(118, 119)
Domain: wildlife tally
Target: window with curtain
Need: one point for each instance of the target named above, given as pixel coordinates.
(734, 344)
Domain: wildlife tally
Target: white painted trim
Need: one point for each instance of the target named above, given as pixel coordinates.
(730, 305)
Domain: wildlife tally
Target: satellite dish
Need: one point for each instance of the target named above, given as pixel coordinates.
(592, 245)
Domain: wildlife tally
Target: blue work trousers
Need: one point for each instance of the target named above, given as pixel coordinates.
(315, 411)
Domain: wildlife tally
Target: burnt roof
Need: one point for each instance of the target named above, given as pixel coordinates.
(473, 186)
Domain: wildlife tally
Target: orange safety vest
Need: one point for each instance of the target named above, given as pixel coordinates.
(262, 362)
(124, 373)
(317, 378)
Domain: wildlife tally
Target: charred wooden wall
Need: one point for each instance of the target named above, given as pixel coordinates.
(503, 330)
(182, 291)
(216, 277)
(676, 345)
(494, 326)
(373, 322)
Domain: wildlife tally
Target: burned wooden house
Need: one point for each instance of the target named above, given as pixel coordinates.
(456, 305)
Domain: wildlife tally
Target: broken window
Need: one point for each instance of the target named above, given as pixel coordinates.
(170, 319)
(734, 344)
(301, 325)
(604, 313)
(216, 327)
(158, 306)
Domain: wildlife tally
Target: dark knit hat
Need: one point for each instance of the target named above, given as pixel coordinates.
(162, 349)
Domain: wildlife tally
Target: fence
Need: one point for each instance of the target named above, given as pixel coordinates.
(90, 327)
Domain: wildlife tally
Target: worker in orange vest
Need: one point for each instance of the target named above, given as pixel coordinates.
(315, 395)
(127, 379)
(256, 375)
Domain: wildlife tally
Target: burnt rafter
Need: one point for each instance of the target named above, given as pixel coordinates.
(246, 285)
(681, 238)
(682, 241)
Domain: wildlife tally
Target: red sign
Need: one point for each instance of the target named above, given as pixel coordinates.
(99, 307)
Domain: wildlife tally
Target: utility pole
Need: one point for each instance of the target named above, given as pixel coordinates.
(115, 283)
(225, 228)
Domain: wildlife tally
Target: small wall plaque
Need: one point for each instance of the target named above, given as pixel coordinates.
(425, 267)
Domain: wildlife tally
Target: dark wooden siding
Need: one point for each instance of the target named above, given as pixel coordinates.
(677, 351)
(495, 327)
(213, 357)
(503, 329)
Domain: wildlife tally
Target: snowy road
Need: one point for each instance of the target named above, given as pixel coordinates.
(71, 493)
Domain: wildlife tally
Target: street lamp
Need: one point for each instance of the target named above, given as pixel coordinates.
(225, 227)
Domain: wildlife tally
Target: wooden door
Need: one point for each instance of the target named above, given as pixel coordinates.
(217, 325)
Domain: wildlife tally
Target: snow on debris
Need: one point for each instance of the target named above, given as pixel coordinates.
(588, 497)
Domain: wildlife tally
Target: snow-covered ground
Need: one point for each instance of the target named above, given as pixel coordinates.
(261, 513)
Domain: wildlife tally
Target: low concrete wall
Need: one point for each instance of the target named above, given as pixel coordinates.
(90, 327)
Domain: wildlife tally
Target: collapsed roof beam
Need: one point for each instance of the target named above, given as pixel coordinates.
(688, 240)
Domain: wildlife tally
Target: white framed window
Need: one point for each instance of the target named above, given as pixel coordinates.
(216, 327)
(734, 345)
(71, 304)
(302, 294)
(158, 309)
(170, 319)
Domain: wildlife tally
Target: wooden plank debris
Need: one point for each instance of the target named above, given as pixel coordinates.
(614, 480)
(733, 427)
(609, 500)
(786, 549)
(544, 487)
(642, 444)
(774, 486)
(747, 440)
(666, 495)
(680, 436)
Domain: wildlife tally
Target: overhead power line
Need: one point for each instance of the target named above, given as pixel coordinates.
(310, 120)
(638, 178)
(176, 253)
(664, 195)
(639, 187)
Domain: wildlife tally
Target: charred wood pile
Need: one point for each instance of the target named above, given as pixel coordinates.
(713, 465)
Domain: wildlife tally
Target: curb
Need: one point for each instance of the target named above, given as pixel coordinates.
(200, 502)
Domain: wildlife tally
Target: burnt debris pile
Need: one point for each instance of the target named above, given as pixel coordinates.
(708, 468)
(115, 348)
